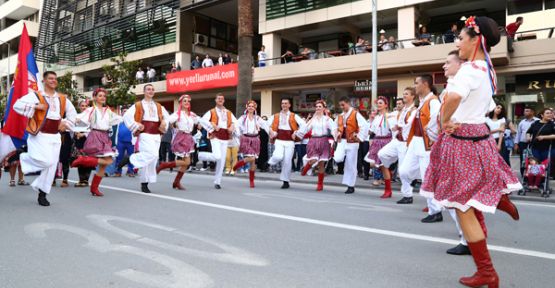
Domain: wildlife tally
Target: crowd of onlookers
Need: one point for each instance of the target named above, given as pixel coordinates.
(223, 59)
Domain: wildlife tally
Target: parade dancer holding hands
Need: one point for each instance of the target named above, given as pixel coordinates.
(319, 148)
(147, 120)
(46, 111)
(249, 125)
(220, 124)
(466, 171)
(183, 143)
(285, 128)
(98, 146)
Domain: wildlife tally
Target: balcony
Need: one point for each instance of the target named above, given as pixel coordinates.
(349, 67)
(19, 9)
(14, 31)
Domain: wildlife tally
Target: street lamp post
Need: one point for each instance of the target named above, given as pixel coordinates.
(374, 50)
(8, 76)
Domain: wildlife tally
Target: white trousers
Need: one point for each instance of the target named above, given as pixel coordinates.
(347, 152)
(43, 155)
(218, 155)
(392, 152)
(147, 157)
(283, 153)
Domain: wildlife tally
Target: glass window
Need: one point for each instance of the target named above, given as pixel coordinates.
(524, 6)
(218, 29)
(549, 4)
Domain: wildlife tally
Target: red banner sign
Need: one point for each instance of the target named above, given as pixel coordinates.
(202, 79)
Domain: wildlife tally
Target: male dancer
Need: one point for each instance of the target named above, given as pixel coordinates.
(352, 129)
(396, 149)
(417, 157)
(220, 124)
(285, 127)
(46, 111)
(147, 120)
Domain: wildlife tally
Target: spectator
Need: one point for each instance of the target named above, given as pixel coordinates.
(221, 59)
(125, 147)
(204, 146)
(227, 59)
(151, 74)
(262, 56)
(308, 53)
(174, 69)
(541, 135)
(391, 44)
(511, 32)
(262, 162)
(232, 154)
(424, 38)
(106, 80)
(288, 56)
(521, 138)
(360, 46)
(178, 66)
(166, 154)
(381, 42)
(195, 64)
(140, 76)
(496, 122)
(207, 62)
(452, 34)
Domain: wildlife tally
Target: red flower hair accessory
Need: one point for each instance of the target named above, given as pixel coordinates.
(470, 23)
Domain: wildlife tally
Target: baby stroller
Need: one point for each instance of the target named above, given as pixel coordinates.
(543, 188)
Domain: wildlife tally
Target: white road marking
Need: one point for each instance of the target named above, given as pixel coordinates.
(410, 236)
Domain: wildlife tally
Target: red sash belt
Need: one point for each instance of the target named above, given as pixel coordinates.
(221, 134)
(151, 127)
(284, 135)
(50, 126)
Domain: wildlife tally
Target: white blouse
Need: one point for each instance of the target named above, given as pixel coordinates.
(382, 124)
(99, 118)
(494, 125)
(185, 123)
(251, 126)
(321, 126)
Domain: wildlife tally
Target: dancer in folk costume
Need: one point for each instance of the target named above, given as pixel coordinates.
(285, 128)
(396, 150)
(381, 127)
(249, 125)
(183, 144)
(98, 146)
(220, 124)
(423, 125)
(319, 148)
(466, 171)
(352, 129)
(49, 112)
(147, 120)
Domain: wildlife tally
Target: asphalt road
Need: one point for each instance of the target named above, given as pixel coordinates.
(241, 237)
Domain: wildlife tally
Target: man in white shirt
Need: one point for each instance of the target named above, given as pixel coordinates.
(285, 128)
(46, 111)
(147, 120)
(207, 62)
(151, 73)
(220, 124)
(140, 75)
(352, 129)
(262, 56)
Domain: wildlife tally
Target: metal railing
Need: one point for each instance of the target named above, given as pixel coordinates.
(282, 8)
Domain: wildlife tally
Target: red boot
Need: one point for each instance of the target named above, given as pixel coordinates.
(85, 162)
(507, 206)
(305, 169)
(165, 165)
(425, 209)
(320, 186)
(482, 221)
(251, 178)
(239, 164)
(387, 192)
(177, 181)
(94, 186)
(486, 274)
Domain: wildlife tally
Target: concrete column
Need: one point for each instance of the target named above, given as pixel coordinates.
(184, 34)
(184, 60)
(269, 102)
(272, 42)
(80, 80)
(406, 24)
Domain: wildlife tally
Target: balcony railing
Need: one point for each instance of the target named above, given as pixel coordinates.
(281, 8)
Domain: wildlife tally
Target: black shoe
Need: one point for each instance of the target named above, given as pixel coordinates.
(405, 200)
(285, 185)
(42, 199)
(433, 218)
(217, 186)
(144, 188)
(350, 190)
(123, 163)
(366, 178)
(459, 250)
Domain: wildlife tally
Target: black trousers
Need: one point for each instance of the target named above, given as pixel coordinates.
(363, 167)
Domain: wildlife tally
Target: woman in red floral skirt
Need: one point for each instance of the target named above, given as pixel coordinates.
(466, 171)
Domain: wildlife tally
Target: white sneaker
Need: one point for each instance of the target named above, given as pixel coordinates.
(203, 169)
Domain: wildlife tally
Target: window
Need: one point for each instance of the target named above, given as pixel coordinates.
(549, 4)
(524, 6)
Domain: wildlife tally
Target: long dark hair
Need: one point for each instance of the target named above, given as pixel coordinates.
(502, 115)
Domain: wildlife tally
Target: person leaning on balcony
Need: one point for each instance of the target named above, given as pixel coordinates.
(423, 38)
(511, 32)
(195, 64)
(287, 56)
(207, 62)
(262, 56)
(140, 75)
(360, 46)
(391, 44)
(451, 34)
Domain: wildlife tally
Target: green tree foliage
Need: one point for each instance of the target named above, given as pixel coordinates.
(121, 80)
(3, 100)
(68, 86)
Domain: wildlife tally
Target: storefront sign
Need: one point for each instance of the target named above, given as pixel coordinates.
(362, 86)
(535, 83)
(202, 79)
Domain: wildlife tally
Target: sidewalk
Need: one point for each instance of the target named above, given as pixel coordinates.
(362, 185)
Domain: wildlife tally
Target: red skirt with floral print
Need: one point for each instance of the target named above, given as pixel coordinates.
(464, 173)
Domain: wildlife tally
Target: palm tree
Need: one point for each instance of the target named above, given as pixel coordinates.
(245, 34)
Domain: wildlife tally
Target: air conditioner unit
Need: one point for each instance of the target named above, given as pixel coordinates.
(201, 40)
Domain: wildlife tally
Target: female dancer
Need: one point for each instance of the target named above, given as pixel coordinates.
(183, 144)
(98, 145)
(382, 131)
(455, 178)
(318, 149)
(249, 127)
